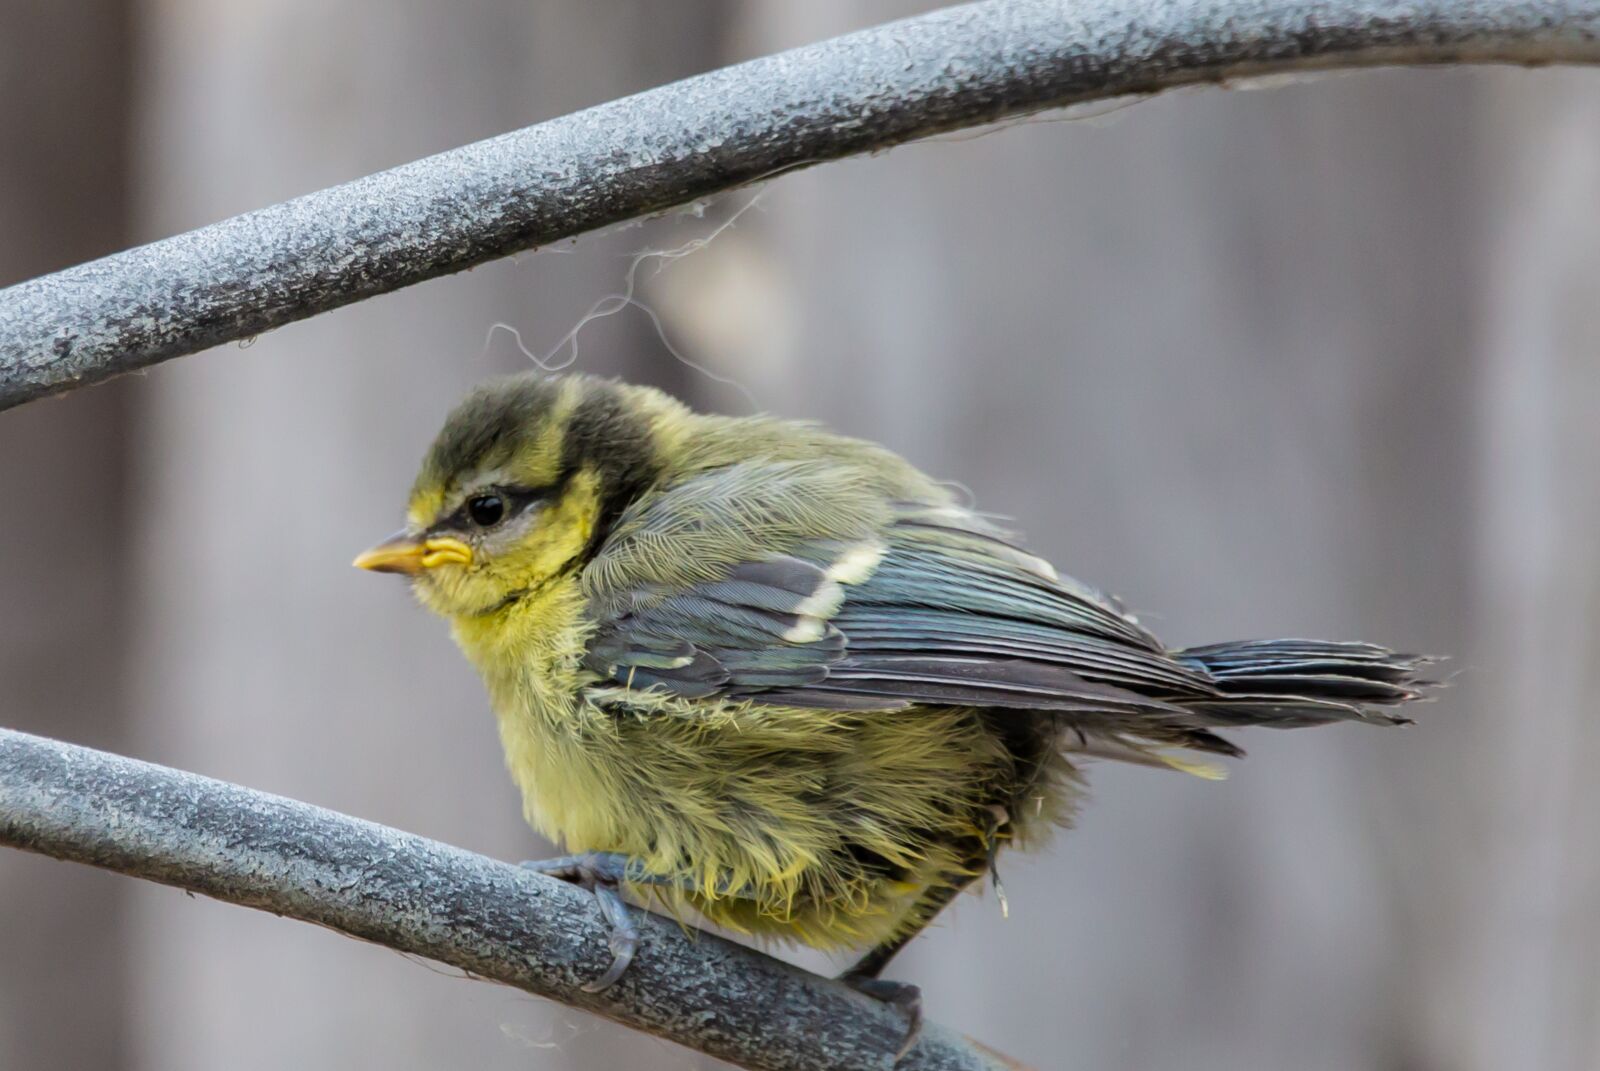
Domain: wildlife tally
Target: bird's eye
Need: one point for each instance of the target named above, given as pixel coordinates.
(486, 511)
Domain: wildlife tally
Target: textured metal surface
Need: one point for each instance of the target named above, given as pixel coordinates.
(953, 68)
(417, 895)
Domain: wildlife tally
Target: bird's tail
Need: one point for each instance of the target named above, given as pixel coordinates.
(1289, 683)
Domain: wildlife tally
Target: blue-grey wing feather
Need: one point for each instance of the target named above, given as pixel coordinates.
(951, 613)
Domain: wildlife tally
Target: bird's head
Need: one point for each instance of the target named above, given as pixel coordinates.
(520, 486)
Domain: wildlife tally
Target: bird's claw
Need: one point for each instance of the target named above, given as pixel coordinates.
(905, 998)
(601, 873)
(623, 945)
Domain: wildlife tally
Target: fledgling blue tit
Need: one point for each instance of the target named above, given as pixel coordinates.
(782, 677)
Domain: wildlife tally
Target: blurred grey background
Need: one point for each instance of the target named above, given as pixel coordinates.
(1317, 359)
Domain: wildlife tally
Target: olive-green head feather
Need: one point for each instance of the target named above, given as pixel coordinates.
(521, 484)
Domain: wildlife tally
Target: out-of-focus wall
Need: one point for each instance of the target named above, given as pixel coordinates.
(63, 516)
(1520, 984)
(1313, 360)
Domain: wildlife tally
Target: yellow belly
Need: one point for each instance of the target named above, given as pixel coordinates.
(813, 826)
(816, 826)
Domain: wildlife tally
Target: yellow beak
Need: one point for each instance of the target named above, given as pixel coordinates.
(401, 553)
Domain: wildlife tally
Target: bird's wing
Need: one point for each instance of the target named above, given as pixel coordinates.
(790, 585)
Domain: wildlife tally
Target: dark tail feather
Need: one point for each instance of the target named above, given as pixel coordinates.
(1290, 683)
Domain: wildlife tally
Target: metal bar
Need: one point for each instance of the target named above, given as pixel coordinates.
(953, 68)
(497, 921)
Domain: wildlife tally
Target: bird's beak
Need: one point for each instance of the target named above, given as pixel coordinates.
(401, 553)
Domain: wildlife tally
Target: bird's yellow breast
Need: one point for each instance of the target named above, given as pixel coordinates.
(556, 747)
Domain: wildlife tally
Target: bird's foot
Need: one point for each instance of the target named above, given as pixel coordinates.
(902, 996)
(601, 873)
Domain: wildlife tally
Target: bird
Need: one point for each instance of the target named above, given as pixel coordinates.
(776, 675)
